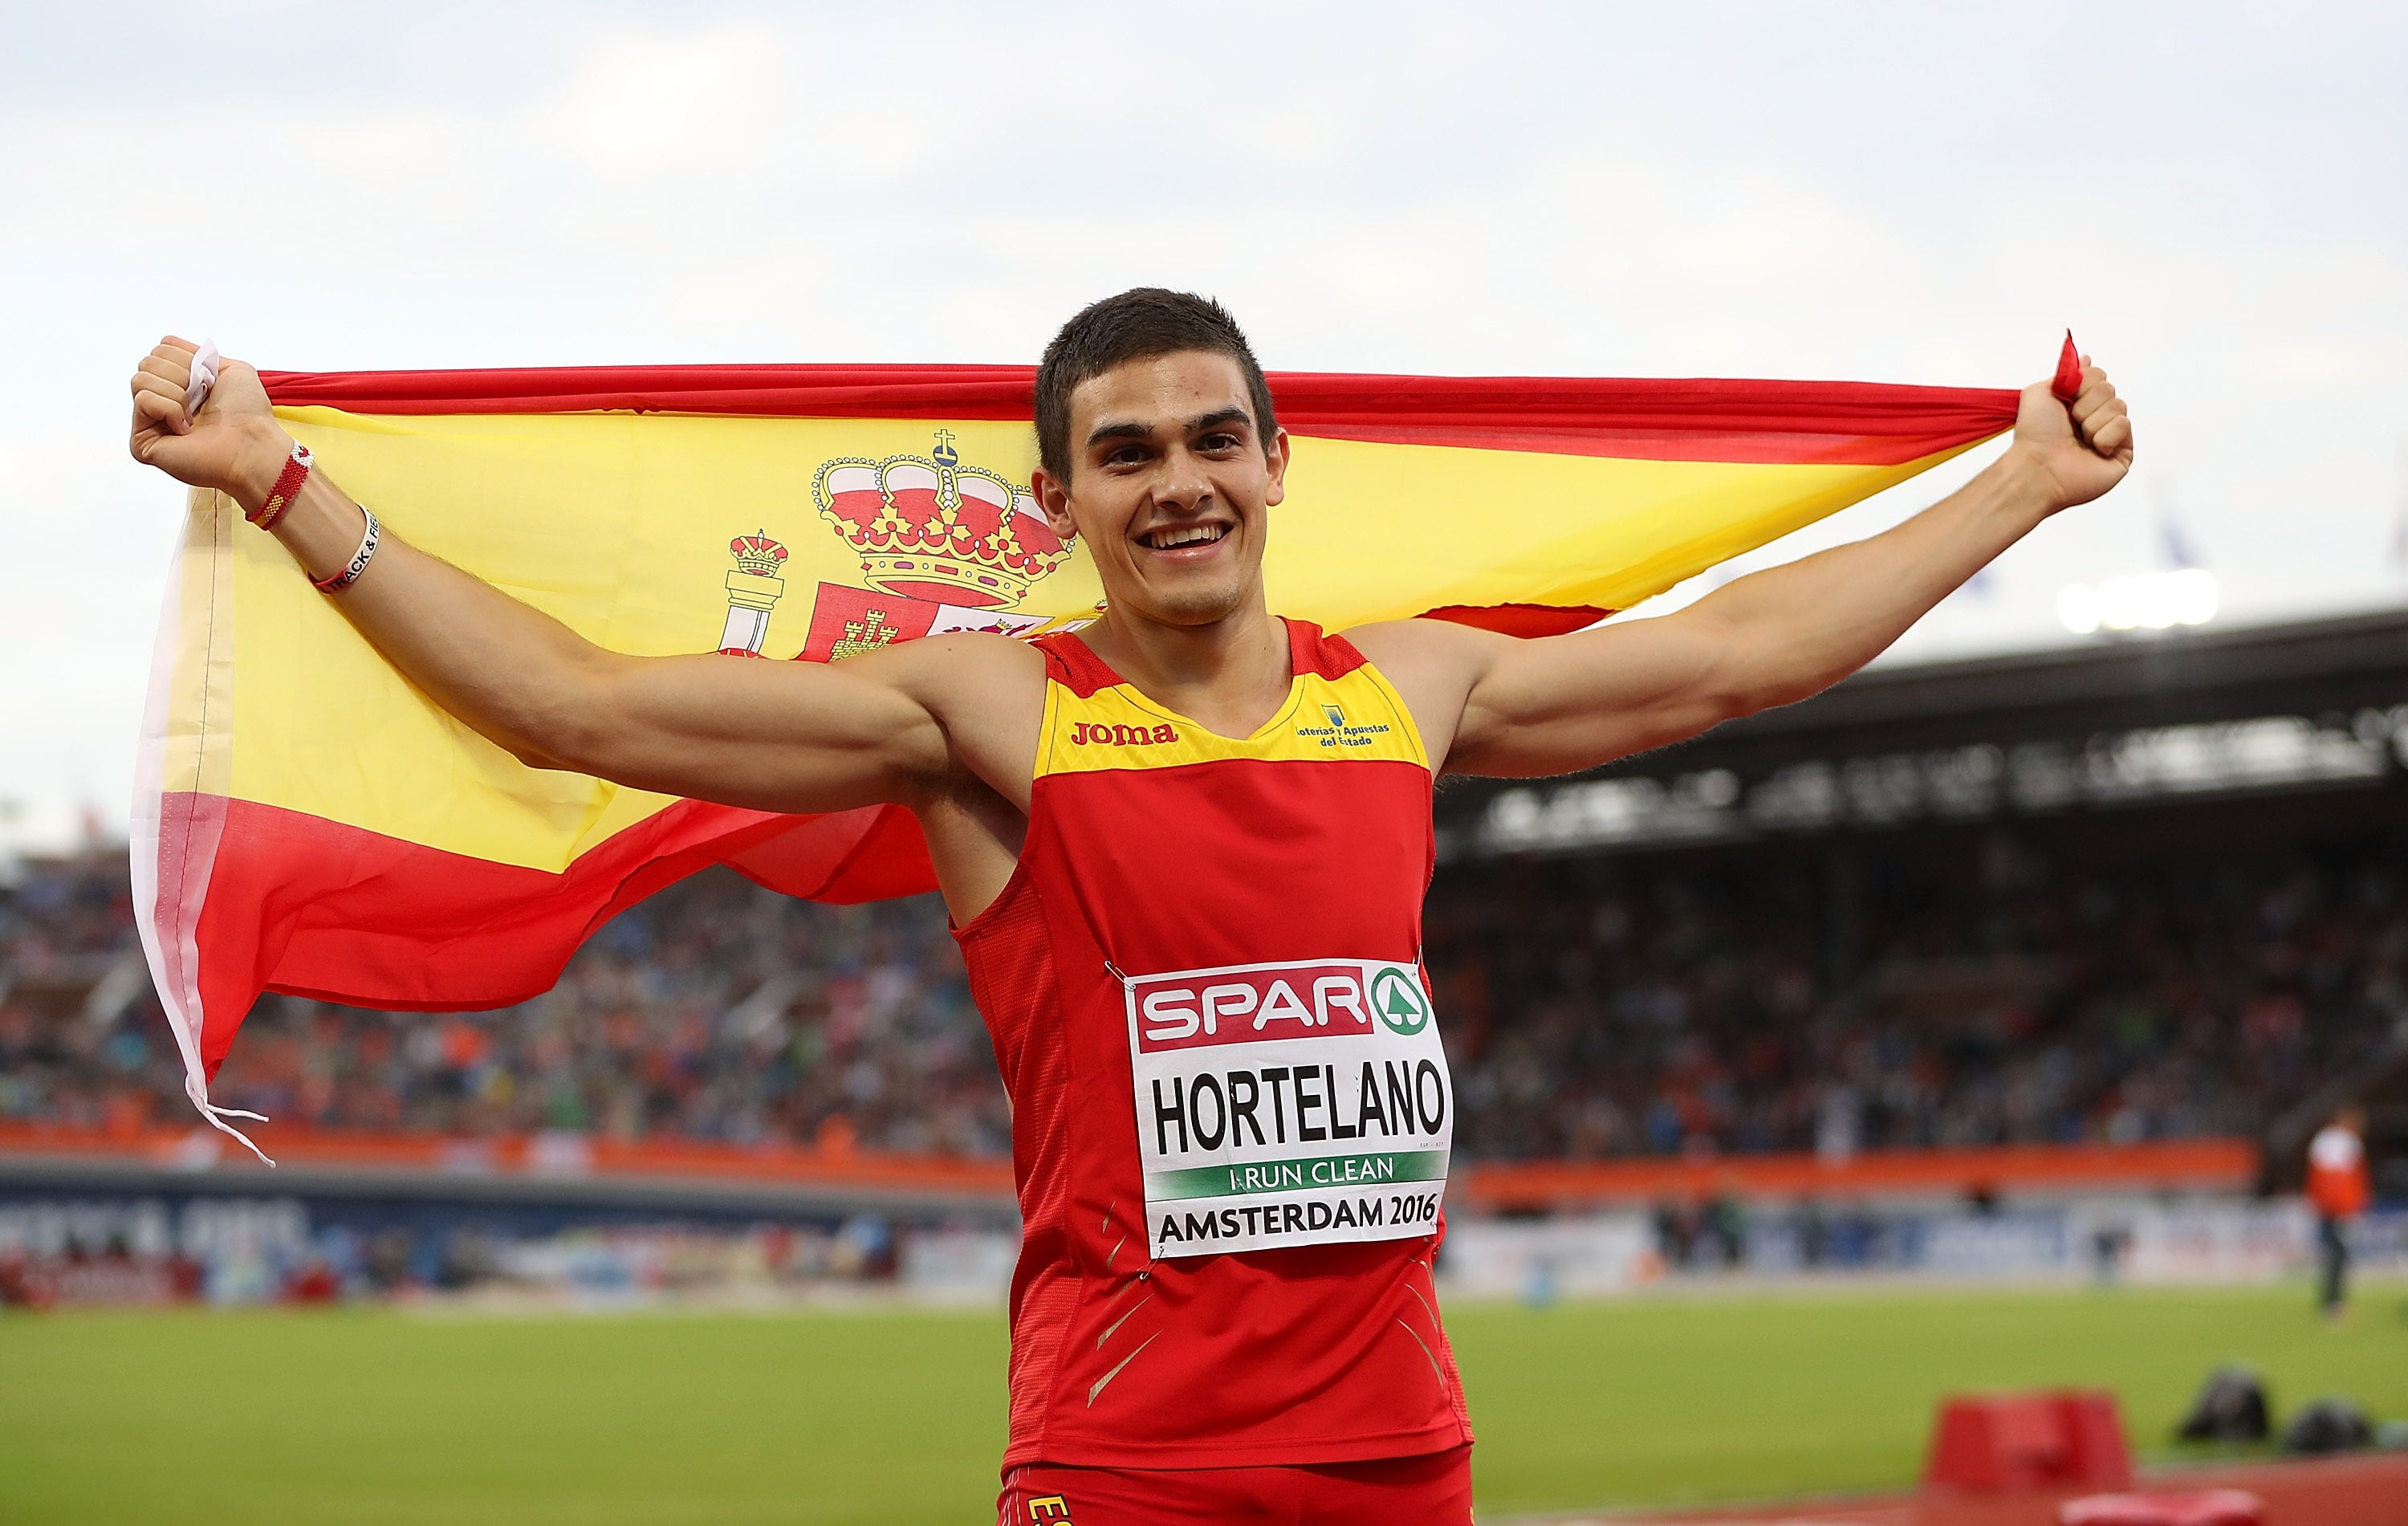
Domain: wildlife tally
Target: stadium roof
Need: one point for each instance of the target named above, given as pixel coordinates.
(2182, 714)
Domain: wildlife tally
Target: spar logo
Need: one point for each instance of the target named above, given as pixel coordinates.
(1248, 1003)
(1398, 997)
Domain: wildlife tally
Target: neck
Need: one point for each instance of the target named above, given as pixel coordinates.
(1231, 674)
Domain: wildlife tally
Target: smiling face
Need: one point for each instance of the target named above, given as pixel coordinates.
(1171, 486)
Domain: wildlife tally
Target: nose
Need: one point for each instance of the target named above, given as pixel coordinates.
(1183, 485)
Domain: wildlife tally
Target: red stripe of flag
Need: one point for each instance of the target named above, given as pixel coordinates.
(310, 907)
(1835, 422)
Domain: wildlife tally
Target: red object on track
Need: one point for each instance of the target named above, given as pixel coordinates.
(2066, 384)
(2051, 1439)
(2209, 1507)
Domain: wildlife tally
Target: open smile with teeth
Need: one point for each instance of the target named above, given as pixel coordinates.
(1182, 537)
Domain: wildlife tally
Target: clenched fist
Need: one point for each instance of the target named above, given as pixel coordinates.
(2083, 447)
(232, 445)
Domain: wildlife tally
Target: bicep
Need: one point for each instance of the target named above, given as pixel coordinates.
(1559, 704)
(767, 734)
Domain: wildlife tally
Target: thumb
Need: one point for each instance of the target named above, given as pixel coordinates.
(238, 391)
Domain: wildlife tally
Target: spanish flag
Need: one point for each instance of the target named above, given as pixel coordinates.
(310, 823)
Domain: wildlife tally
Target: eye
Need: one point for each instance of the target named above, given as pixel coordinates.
(1219, 440)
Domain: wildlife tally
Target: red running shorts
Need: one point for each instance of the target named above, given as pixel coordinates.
(1433, 1489)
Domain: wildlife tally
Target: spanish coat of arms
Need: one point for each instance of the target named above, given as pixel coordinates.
(943, 547)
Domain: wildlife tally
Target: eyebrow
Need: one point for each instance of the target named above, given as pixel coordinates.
(1132, 429)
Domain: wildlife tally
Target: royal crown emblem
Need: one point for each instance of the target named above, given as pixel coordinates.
(928, 527)
(753, 591)
(758, 555)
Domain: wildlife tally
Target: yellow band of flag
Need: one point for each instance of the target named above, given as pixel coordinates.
(314, 823)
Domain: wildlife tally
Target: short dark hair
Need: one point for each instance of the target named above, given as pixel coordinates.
(1138, 324)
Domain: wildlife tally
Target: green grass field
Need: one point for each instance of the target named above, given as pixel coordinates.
(896, 1416)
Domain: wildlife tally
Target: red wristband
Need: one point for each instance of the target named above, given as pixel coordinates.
(287, 488)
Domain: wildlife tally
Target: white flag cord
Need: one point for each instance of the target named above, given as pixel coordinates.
(204, 377)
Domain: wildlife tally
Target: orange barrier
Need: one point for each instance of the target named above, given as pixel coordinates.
(2193, 1165)
(537, 1154)
(2219, 1165)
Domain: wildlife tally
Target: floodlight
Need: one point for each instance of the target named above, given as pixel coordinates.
(2140, 601)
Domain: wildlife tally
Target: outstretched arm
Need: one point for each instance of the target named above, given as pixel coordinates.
(1565, 703)
(785, 736)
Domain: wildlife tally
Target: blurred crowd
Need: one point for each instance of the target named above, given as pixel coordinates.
(1648, 1005)
(715, 1011)
(1836, 1000)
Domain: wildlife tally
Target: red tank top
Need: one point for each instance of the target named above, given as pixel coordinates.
(1229, 1111)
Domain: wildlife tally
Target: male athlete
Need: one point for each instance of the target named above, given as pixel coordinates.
(1191, 926)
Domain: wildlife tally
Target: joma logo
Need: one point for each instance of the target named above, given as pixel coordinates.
(1096, 734)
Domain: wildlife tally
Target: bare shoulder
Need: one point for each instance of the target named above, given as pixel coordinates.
(985, 691)
(1433, 665)
(957, 667)
(1397, 646)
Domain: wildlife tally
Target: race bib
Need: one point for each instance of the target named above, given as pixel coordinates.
(1303, 1103)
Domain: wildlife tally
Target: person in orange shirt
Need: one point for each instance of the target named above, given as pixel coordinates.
(2338, 1189)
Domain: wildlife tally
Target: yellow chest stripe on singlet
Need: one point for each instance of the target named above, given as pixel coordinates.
(1357, 718)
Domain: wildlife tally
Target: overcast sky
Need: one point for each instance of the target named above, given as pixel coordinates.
(2211, 196)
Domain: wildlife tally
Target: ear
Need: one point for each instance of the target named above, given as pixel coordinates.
(1275, 456)
(1054, 497)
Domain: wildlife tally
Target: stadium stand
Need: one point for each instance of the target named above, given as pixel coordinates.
(1599, 1008)
(2000, 994)
(2147, 890)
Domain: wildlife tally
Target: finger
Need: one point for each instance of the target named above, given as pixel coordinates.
(2113, 437)
(156, 391)
(2095, 415)
(171, 342)
(2092, 419)
(171, 367)
(2094, 402)
(153, 402)
(157, 406)
(2094, 399)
